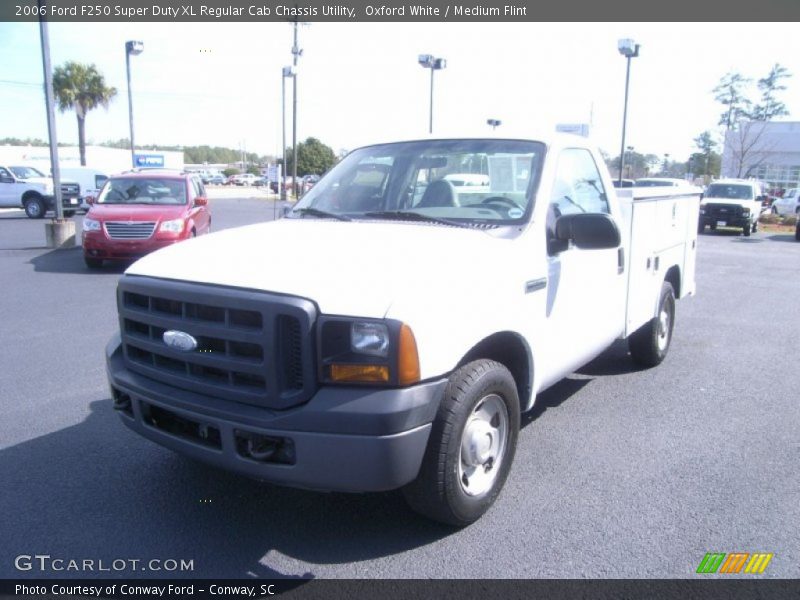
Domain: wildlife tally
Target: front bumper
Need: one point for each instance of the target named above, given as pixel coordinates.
(351, 439)
(725, 220)
(97, 245)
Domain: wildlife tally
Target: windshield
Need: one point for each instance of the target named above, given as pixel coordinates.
(26, 172)
(143, 190)
(465, 182)
(730, 191)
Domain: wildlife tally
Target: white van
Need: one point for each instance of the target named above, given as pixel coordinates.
(90, 180)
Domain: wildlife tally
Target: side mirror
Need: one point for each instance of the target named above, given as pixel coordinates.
(201, 201)
(90, 200)
(589, 231)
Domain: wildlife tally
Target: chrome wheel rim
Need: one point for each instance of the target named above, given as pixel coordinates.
(483, 445)
(663, 330)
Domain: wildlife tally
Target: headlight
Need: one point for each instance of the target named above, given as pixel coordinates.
(360, 351)
(174, 226)
(369, 338)
(91, 225)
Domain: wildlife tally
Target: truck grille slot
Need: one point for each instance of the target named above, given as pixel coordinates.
(130, 230)
(72, 190)
(723, 210)
(251, 347)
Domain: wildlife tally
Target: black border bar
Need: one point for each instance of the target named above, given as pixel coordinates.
(714, 588)
(199, 11)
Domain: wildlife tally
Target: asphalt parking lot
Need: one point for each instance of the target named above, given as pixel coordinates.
(618, 473)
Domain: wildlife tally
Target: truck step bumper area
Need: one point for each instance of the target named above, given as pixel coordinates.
(325, 448)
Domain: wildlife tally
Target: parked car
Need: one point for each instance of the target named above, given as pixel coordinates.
(26, 187)
(141, 211)
(408, 366)
(217, 179)
(245, 179)
(788, 205)
(660, 182)
(731, 203)
(91, 181)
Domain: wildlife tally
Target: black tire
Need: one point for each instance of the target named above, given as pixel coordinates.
(650, 343)
(68, 214)
(35, 207)
(746, 230)
(755, 226)
(438, 492)
(93, 263)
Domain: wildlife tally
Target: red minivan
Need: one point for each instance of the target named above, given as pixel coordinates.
(140, 211)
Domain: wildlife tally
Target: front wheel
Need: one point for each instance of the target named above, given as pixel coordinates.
(755, 226)
(35, 208)
(471, 447)
(649, 344)
(93, 263)
(746, 230)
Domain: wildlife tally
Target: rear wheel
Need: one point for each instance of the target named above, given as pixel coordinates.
(650, 343)
(471, 446)
(34, 207)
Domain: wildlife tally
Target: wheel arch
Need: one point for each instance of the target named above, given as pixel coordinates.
(31, 194)
(512, 351)
(673, 276)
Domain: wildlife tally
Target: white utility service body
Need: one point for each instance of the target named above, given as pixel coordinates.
(498, 311)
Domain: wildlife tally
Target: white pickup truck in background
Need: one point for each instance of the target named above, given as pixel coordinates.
(390, 331)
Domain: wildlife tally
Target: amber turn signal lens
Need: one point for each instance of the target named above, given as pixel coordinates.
(360, 373)
(407, 357)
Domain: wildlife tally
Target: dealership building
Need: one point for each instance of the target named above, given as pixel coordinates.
(765, 150)
(108, 160)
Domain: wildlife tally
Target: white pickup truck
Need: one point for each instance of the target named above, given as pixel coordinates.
(390, 331)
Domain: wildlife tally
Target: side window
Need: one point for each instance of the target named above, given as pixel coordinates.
(4, 172)
(577, 188)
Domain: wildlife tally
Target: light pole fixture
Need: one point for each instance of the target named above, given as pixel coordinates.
(429, 61)
(131, 48)
(286, 72)
(494, 123)
(629, 49)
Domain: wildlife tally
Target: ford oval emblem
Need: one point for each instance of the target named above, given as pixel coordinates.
(179, 340)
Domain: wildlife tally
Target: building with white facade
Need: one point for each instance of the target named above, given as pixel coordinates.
(108, 160)
(765, 150)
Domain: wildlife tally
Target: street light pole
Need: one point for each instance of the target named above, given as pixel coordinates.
(629, 49)
(51, 117)
(428, 61)
(296, 53)
(135, 48)
(286, 72)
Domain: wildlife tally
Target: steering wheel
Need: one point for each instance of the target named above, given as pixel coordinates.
(501, 200)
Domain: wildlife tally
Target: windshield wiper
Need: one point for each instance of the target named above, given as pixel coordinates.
(405, 215)
(315, 212)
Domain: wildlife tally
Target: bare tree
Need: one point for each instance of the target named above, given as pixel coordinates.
(730, 93)
(746, 148)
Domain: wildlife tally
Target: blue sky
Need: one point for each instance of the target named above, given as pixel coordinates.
(219, 84)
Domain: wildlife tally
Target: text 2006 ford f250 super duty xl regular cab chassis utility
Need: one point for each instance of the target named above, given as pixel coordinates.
(389, 332)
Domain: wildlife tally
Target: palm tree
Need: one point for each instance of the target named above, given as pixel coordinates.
(81, 87)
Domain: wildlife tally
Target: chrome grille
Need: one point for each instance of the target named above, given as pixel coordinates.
(70, 189)
(130, 230)
(252, 347)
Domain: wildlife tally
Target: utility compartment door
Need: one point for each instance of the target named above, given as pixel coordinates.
(663, 233)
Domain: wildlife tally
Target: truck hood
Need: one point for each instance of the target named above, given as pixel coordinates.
(357, 268)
